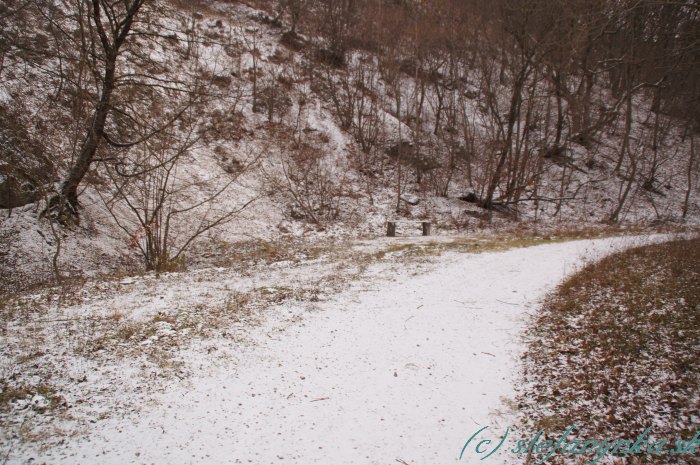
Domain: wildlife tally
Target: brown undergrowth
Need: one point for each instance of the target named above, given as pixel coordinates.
(615, 350)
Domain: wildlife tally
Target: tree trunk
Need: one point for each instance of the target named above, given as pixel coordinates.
(614, 217)
(626, 136)
(512, 114)
(69, 187)
(689, 173)
(397, 90)
(65, 203)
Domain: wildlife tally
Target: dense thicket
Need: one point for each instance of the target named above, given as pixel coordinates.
(487, 89)
(625, 46)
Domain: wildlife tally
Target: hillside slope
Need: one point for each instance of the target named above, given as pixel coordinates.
(274, 139)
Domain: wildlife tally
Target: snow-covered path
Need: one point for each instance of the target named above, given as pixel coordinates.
(387, 372)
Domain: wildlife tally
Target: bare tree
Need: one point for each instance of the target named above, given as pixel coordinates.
(160, 207)
(691, 169)
(112, 24)
(305, 175)
(295, 10)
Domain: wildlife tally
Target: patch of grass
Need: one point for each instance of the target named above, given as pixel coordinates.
(162, 318)
(267, 252)
(21, 307)
(275, 294)
(429, 249)
(30, 356)
(10, 394)
(424, 250)
(237, 306)
(127, 330)
(615, 349)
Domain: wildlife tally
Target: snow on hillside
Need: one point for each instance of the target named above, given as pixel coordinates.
(254, 151)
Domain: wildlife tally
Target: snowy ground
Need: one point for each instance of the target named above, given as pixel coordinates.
(403, 366)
